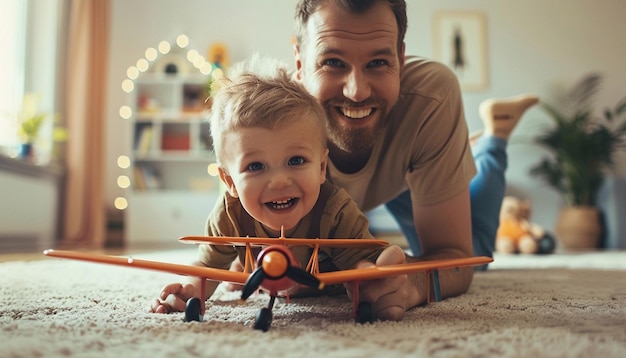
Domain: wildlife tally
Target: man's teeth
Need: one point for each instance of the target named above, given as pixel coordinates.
(356, 113)
(282, 204)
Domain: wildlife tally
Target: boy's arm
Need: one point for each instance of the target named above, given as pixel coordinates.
(174, 296)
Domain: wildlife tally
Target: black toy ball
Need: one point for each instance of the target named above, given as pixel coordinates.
(546, 244)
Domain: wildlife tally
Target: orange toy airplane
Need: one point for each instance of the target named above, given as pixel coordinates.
(277, 271)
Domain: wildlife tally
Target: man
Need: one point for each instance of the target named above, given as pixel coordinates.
(397, 136)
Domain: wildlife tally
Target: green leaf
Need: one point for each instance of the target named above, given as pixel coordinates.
(582, 146)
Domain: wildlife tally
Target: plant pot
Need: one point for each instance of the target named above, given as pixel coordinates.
(26, 151)
(579, 228)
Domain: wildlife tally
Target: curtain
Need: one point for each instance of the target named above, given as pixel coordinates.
(84, 212)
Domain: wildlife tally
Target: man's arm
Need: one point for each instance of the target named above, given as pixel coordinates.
(445, 232)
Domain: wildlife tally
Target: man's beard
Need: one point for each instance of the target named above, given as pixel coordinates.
(353, 140)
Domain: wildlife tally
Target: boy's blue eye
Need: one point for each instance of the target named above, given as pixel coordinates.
(296, 161)
(255, 166)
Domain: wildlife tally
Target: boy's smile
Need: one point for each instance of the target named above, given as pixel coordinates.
(276, 173)
(282, 204)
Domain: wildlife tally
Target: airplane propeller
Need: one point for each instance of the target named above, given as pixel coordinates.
(304, 277)
(275, 265)
(253, 283)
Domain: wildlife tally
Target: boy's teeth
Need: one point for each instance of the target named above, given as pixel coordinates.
(282, 204)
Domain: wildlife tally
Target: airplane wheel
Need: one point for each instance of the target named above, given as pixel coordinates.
(192, 310)
(365, 313)
(263, 320)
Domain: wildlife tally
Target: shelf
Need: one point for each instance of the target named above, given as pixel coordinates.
(164, 216)
(166, 117)
(151, 78)
(205, 156)
(170, 148)
(173, 174)
(170, 95)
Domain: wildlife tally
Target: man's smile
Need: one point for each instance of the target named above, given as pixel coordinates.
(356, 113)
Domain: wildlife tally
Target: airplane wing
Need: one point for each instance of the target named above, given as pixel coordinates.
(209, 273)
(328, 278)
(376, 272)
(257, 241)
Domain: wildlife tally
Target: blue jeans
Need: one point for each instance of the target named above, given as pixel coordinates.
(486, 194)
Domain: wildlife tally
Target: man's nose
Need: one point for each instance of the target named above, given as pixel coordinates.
(357, 86)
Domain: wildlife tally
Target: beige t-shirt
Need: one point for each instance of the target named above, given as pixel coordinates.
(340, 218)
(424, 146)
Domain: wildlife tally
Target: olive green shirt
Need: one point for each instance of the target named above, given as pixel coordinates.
(339, 218)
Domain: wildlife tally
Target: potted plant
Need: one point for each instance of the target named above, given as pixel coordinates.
(582, 146)
(30, 123)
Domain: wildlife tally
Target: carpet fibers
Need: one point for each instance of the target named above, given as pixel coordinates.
(62, 308)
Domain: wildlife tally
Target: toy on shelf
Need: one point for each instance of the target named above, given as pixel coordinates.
(148, 104)
(517, 234)
(217, 55)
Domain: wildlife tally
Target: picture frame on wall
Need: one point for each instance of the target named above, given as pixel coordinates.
(460, 42)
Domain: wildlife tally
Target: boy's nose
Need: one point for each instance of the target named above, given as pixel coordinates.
(279, 180)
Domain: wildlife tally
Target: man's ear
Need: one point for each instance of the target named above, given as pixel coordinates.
(228, 180)
(401, 55)
(296, 55)
(324, 165)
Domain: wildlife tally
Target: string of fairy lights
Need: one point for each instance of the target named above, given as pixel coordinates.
(143, 64)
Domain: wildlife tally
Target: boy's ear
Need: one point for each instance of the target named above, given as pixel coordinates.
(324, 165)
(228, 180)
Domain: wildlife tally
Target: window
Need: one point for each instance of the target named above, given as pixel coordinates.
(12, 42)
(29, 36)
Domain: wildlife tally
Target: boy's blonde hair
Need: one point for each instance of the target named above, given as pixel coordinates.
(260, 93)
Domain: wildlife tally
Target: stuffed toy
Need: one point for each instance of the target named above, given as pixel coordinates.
(517, 234)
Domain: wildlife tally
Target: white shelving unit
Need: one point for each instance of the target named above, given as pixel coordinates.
(171, 191)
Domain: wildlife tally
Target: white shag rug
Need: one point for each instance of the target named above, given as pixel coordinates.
(523, 306)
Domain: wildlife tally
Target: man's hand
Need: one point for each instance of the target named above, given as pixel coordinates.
(173, 298)
(389, 296)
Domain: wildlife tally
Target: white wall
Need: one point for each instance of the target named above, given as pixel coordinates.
(533, 45)
(28, 220)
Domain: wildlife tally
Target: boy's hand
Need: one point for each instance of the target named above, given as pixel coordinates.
(237, 267)
(389, 296)
(173, 298)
